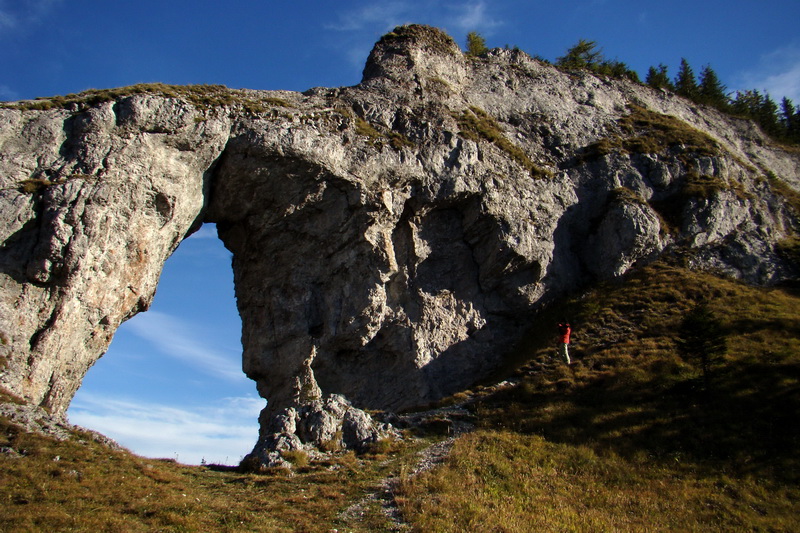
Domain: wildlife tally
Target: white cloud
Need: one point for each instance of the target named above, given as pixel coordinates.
(7, 21)
(381, 17)
(6, 92)
(23, 14)
(219, 433)
(777, 73)
(464, 16)
(360, 27)
(473, 17)
(177, 338)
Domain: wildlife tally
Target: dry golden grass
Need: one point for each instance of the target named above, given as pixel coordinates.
(505, 481)
(201, 96)
(627, 438)
(80, 485)
(476, 124)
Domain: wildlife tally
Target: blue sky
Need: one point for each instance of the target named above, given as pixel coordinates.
(171, 384)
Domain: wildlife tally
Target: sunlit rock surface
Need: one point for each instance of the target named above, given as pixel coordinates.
(390, 240)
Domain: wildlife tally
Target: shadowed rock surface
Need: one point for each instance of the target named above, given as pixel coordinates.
(390, 240)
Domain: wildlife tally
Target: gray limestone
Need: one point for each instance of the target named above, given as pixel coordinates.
(390, 240)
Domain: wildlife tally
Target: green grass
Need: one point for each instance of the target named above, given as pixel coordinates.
(627, 438)
(504, 481)
(395, 139)
(647, 132)
(477, 125)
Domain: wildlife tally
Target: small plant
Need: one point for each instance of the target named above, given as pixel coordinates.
(789, 249)
(36, 185)
(366, 129)
(438, 87)
(334, 444)
(791, 196)
(277, 102)
(383, 446)
(298, 458)
(626, 195)
(398, 141)
(395, 139)
(646, 132)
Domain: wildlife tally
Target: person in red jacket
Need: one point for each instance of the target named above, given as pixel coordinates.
(564, 331)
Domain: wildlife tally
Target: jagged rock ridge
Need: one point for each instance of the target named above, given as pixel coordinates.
(390, 240)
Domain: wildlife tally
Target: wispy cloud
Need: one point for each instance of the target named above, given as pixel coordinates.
(219, 433)
(473, 16)
(7, 20)
(469, 15)
(177, 338)
(381, 17)
(6, 93)
(778, 73)
(20, 15)
(359, 27)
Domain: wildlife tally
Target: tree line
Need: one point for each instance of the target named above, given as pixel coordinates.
(781, 122)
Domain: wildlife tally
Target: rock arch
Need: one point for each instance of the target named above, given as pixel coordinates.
(389, 239)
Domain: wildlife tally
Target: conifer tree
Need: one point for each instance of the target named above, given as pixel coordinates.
(658, 78)
(583, 55)
(747, 103)
(787, 111)
(615, 69)
(790, 119)
(702, 336)
(476, 45)
(767, 116)
(711, 91)
(685, 82)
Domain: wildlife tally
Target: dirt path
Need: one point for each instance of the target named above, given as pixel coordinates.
(457, 421)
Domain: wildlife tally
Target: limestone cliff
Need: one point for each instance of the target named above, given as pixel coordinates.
(390, 240)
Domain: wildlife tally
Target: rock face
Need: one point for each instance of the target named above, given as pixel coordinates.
(390, 240)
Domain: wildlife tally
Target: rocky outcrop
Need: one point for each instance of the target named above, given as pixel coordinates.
(331, 424)
(93, 203)
(390, 240)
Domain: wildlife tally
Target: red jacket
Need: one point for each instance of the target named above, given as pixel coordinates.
(564, 330)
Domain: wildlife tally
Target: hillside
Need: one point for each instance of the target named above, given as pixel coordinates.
(626, 439)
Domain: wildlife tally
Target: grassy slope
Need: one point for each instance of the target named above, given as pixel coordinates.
(626, 439)
(80, 485)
